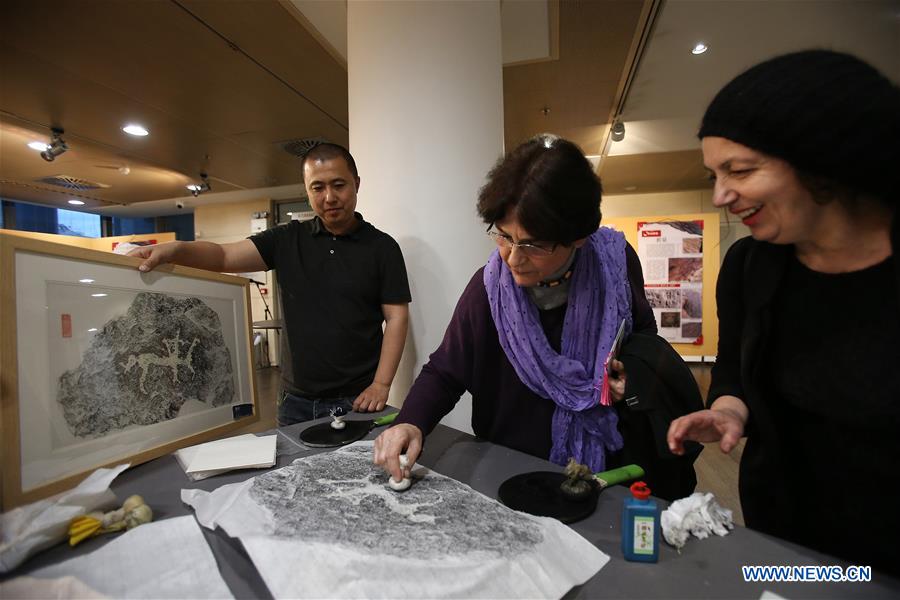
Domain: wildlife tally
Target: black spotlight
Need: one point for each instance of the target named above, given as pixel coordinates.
(57, 146)
(198, 188)
(618, 131)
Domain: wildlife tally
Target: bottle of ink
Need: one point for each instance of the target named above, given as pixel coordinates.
(640, 525)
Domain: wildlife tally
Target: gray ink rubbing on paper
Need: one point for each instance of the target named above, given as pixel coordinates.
(145, 364)
(433, 519)
(328, 526)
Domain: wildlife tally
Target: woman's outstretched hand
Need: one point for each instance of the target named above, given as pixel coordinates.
(723, 422)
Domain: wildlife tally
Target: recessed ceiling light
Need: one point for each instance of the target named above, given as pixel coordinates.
(99, 295)
(85, 280)
(92, 329)
(76, 202)
(699, 48)
(135, 129)
(39, 146)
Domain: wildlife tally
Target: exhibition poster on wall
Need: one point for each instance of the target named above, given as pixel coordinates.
(671, 254)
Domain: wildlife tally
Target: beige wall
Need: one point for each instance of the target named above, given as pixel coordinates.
(405, 59)
(224, 223)
(673, 203)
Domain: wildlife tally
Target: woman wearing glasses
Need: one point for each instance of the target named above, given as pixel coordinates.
(533, 328)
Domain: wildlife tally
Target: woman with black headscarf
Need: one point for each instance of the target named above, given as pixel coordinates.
(804, 149)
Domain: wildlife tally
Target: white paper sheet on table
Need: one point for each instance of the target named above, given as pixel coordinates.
(220, 456)
(162, 559)
(239, 452)
(328, 526)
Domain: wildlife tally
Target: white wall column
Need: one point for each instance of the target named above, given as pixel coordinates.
(426, 124)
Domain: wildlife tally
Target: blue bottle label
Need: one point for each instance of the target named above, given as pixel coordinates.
(643, 535)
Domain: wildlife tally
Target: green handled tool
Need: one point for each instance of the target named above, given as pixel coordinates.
(540, 493)
(617, 476)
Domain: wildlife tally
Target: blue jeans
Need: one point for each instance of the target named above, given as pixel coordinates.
(295, 409)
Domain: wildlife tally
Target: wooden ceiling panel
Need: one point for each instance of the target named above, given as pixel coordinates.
(260, 29)
(655, 172)
(122, 180)
(43, 92)
(580, 87)
(181, 69)
(221, 84)
(166, 57)
(149, 51)
(93, 113)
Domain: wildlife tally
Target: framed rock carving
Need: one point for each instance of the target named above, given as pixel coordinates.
(102, 364)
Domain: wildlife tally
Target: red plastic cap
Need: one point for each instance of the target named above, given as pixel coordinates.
(640, 490)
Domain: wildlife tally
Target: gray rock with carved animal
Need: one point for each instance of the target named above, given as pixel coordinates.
(143, 366)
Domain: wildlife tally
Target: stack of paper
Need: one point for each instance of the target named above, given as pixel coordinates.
(240, 452)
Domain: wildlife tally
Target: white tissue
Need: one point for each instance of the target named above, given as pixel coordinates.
(33, 527)
(699, 515)
(126, 247)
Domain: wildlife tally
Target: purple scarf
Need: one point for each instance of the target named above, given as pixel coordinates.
(599, 299)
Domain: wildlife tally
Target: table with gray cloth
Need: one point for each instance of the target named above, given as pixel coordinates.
(708, 568)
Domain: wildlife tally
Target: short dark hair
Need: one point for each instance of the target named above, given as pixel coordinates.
(328, 151)
(551, 186)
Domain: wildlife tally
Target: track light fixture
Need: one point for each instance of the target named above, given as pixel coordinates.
(618, 131)
(56, 147)
(198, 188)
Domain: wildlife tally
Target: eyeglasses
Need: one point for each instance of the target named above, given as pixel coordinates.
(504, 241)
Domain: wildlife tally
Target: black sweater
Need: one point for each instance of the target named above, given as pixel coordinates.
(816, 359)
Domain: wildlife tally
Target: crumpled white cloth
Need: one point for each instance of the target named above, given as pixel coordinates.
(33, 527)
(126, 247)
(699, 515)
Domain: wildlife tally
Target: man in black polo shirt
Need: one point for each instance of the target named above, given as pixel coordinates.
(340, 279)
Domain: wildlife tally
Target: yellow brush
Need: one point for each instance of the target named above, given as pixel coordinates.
(82, 528)
(134, 512)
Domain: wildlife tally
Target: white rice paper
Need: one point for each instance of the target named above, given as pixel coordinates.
(328, 526)
(162, 559)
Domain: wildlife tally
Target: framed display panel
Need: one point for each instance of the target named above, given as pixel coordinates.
(702, 313)
(101, 364)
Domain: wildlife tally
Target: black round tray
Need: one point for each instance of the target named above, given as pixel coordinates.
(538, 493)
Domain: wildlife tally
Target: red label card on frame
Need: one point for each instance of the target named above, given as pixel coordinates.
(66, 325)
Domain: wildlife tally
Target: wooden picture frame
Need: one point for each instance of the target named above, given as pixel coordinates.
(101, 364)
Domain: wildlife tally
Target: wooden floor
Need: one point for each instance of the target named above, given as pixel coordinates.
(268, 384)
(716, 472)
